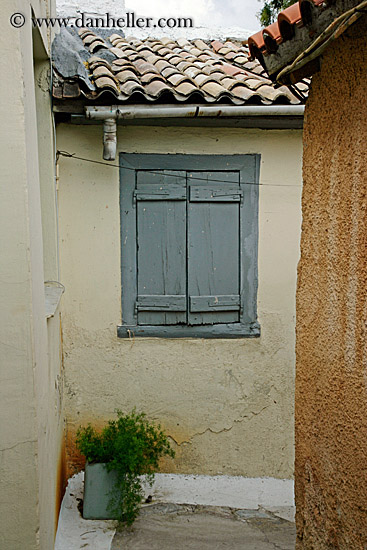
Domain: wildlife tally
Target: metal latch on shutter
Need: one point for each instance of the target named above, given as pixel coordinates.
(230, 302)
(161, 303)
(159, 192)
(200, 193)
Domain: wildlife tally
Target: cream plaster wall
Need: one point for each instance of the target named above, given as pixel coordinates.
(30, 360)
(227, 404)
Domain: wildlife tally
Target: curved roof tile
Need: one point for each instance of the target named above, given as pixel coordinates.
(287, 19)
(306, 28)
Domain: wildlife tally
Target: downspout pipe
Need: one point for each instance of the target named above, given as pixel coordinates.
(109, 138)
(110, 114)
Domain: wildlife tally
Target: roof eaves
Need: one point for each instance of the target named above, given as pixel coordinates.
(290, 49)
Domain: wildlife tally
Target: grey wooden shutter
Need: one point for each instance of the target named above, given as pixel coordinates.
(213, 247)
(209, 288)
(161, 247)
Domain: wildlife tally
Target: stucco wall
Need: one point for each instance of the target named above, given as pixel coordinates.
(30, 360)
(331, 397)
(227, 404)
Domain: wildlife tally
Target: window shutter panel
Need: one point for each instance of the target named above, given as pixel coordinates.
(161, 247)
(214, 248)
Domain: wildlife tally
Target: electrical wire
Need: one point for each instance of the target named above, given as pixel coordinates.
(73, 156)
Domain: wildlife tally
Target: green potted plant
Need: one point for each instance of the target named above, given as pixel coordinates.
(125, 449)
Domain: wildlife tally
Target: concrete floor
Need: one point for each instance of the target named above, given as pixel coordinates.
(170, 526)
(173, 526)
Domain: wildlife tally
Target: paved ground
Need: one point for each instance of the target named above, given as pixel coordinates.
(180, 526)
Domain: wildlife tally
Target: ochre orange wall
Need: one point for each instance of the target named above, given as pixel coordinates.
(331, 365)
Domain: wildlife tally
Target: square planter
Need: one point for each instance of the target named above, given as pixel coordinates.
(98, 484)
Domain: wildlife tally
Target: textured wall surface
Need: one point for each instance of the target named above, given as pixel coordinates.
(227, 404)
(331, 386)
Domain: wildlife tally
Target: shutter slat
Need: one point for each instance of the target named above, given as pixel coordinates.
(215, 303)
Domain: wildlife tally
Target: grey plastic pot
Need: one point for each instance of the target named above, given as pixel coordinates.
(98, 484)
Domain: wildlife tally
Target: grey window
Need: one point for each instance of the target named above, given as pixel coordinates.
(189, 245)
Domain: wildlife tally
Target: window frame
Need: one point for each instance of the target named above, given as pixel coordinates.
(244, 164)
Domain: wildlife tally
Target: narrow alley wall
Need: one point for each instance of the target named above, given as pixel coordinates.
(31, 438)
(331, 392)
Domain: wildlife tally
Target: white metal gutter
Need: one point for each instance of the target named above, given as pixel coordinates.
(110, 114)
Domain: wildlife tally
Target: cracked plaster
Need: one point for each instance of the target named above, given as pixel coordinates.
(226, 404)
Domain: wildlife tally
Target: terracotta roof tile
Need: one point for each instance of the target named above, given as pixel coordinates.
(186, 88)
(176, 79)
(209, 69)
(106, 83)
(213, 88)
(257, 70)
(148, 77)
(304, 24)
(232, 46)
(231, 70)
(243, 93)
(162, 64)
(201, 44)
(101, 70)
(191, 71)
(287, 19)
(70, 89)
(97, 45)
(118, 63)
(176, 60)
(88, 38)
(165, 40)
(240, 59)
(144, 67)
(83, 32)
(224, 50)
(253, 83)
(229, 83)
(230, 55)
(179, 68)
(57, 91)
(117, 52)
(95, 61)
(273, 31)
(183, 65)
(156, 88)
(216, 45)
(124, 76)
(202, 78)
(182, 42)
(256, 45)
(131, 86)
